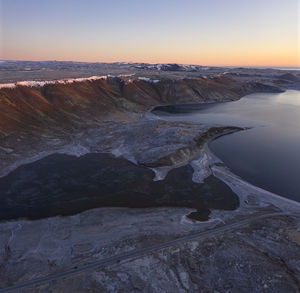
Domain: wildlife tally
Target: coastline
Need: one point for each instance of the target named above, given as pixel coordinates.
(243, 188)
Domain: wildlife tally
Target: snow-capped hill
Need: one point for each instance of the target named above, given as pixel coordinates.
(169, 67)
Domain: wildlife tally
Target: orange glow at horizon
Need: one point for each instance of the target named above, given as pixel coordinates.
(255, 57)
(203, 32)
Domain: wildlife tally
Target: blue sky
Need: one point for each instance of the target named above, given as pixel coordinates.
(217, 32)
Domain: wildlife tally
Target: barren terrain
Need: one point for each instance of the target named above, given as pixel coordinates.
(231, 236)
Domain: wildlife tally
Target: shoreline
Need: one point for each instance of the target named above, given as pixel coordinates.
(240, 186)
(236, 183)
(243, 188)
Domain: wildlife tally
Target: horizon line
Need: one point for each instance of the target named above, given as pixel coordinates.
(136, 62)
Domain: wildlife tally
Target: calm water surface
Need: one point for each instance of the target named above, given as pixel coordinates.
(268, 154)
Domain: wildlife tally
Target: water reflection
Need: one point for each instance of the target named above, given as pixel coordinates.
(266, 155)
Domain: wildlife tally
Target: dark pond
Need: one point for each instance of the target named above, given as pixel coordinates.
(65, 185)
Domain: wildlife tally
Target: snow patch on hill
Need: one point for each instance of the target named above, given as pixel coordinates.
(147, 79)
(35, 83)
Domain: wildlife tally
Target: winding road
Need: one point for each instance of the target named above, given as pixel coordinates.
(139, 252)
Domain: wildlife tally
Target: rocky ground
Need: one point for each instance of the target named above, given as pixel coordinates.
(259, 257)
(111, 117)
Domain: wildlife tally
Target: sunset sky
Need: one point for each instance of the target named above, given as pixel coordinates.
(206, 32)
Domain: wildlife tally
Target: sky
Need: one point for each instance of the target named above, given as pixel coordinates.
(204, 32)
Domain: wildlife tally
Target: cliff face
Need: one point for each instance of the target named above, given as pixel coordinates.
(65, 105)
(91, 114)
